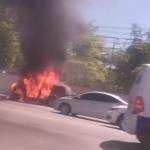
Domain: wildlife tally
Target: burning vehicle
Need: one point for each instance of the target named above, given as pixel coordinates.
(57, 91)
(45, 29)
(39, 86)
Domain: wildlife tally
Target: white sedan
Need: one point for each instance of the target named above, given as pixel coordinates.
(92, 104)
(115, 115)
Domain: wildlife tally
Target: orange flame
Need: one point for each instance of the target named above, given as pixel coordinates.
(36, 85)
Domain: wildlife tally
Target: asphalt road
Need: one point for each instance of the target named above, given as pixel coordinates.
(30, 127)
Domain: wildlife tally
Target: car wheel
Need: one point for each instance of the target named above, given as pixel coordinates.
(140, 138)
(65, 109)
(119, 121)
(51, 101)
(146, 141)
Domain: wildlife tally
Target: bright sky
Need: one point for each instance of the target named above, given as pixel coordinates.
(118, 13)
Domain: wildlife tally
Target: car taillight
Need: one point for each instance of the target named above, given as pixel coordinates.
(139, 106)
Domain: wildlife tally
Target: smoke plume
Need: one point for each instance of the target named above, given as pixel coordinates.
(46, 28)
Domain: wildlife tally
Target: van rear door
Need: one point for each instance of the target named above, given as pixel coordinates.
(139, 83)
(138, 87)
(130, 119)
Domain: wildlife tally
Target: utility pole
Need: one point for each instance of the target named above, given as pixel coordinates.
(114, 44)
(111, 58)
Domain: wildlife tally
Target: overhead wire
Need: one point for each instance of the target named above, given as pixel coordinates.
(122, 28)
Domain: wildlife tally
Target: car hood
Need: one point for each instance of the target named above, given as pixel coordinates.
(121, 107)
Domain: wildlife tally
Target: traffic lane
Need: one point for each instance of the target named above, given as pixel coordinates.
(26, 126)
(28, 129)
(22, 137)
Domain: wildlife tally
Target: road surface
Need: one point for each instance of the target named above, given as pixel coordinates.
(31, 127)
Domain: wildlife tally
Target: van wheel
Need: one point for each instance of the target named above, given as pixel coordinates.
(140, 138)
(51, 101)
(119, 121)
(146, 141)
(65, 109)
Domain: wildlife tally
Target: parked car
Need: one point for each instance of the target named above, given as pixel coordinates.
(116, 114)
(93, 104)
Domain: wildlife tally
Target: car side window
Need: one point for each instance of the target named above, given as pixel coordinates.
(90, 96)
(109, 99)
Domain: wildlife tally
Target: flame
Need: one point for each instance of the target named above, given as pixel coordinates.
(36, 85)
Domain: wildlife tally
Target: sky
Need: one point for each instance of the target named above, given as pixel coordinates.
(117, 13)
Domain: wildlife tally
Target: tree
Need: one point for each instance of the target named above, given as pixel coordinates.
(91, 47)
(136, 33)
(9, 45)
(85, 73)
(129, 62)
(84, 67)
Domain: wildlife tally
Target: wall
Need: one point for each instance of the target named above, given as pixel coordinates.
(7, 80)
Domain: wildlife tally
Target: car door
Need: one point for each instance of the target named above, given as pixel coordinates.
(96, 110)
(84, 104)
(103, 105)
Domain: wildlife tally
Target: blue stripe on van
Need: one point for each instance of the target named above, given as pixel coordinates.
(143, 123)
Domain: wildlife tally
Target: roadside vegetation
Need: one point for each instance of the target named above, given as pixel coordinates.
(90, 63)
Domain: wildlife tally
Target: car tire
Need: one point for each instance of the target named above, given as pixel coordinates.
(146, 140)
(51, 101)
(65, 109)
(140, 138)
(119, 121)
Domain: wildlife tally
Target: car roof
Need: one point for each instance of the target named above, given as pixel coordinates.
(148, 65)
(109, 94)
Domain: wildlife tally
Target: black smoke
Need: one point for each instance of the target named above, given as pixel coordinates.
(46, 28)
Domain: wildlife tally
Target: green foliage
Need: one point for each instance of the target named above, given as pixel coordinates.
(136, 71)
(9, 45)
(85, 73)
(91, 47)
(136, 33)
(129, 62)
(139, 54)
(84, 67)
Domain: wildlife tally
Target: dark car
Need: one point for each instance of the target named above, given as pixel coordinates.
(58, 91)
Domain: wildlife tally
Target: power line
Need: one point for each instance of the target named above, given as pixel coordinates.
(119, 38)
(114, 32)
(111, 37)
(121, 33)
(124, 28)
(102, 47)
(143, 42)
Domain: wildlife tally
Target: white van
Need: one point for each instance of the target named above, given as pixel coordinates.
(137, 117)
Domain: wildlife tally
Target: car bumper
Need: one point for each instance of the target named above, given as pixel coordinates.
(56, 106)
(109, 117)
(112, 117)
(129, 124)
